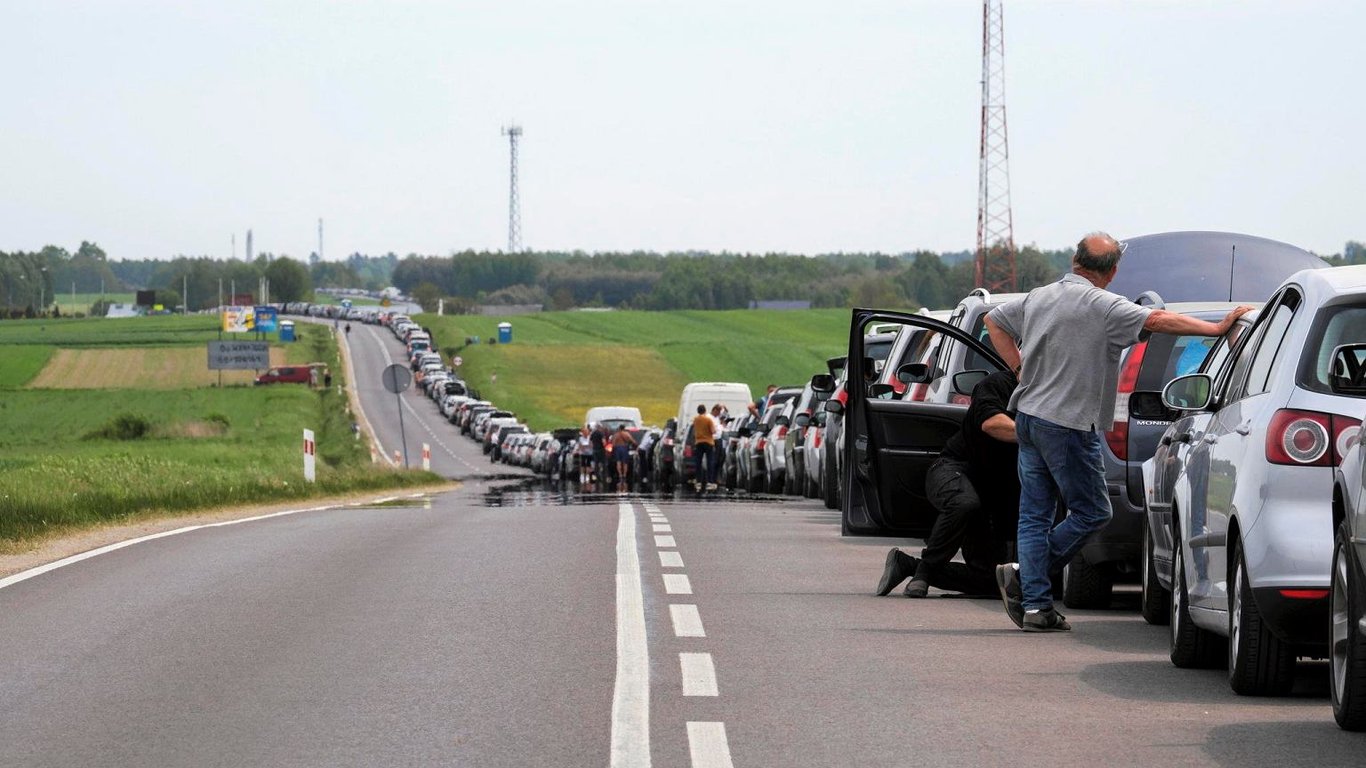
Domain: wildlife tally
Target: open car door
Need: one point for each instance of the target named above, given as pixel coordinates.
(891, 443)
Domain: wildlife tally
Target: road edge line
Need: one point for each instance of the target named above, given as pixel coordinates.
(631, 692)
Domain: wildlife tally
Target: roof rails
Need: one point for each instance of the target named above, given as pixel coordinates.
(1150, 298)
(981, 292)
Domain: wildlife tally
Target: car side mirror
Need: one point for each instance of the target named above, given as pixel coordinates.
(834, 406)
(760, 429)
(965, 381)
(803, 420)
(1348, 375)
(1149, 406)
(1188, 393)
(913, 373)
(745, 432)
(782, 421)
(823, 383)
(880, 391)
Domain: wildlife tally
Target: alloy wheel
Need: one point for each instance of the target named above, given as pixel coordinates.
(1341, 623)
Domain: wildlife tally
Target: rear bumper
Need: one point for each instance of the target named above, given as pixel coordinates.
(1297, 621)
(1120, 542)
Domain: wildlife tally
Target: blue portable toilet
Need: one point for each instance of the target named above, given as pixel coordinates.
(286, 330)
(505, 333)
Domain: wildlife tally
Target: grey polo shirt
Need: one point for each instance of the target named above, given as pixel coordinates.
(1071, 335)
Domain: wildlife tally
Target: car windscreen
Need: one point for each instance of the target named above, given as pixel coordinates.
(614, 424)
(1334, 326)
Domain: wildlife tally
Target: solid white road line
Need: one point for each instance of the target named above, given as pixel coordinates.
(670, 559)
(631, 697)
(677, 584)
(42, 569)
(663, 529)
(707, 745)
(665, 541)
(699, 674)
(687, 621)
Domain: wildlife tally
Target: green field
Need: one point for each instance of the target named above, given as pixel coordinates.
(561, 363)
(76, 458)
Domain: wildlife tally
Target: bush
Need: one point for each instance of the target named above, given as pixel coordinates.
(125, 426)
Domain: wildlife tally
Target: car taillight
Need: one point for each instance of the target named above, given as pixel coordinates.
(668, 442)
(842, 396)
(1117, 437)
(816, 441)
(918, 392)
(759, 446)
(958, 399)
(1309, 438)
(782, 432)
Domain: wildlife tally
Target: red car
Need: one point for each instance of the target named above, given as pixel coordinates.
(296, 374)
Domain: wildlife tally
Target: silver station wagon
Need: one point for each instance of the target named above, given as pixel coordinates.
(1240, 490)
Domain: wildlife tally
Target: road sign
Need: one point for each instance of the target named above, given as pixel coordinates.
(239, 355)
(310, 448)
(397, 378)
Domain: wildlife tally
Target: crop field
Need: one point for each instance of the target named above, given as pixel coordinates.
(80, 302)
(139, 368)
(559, 363)
(73, 458)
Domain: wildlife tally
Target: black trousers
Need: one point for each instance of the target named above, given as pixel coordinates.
(963, 524)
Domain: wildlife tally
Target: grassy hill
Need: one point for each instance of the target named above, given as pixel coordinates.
(561, 363)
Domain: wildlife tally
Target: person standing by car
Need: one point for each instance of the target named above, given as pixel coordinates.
(703, 443)
(757, 407)
(622, 443)
(718, 445)
(976, 499)
(1071, 333)
(598, 442)
(583, 450)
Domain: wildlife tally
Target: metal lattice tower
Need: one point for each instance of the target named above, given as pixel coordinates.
(995, 263)
(514, 133)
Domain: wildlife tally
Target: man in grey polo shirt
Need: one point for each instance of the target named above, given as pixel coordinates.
(1071, 334)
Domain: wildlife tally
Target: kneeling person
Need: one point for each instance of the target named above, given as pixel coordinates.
(975, 487)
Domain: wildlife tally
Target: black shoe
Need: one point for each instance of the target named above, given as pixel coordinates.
(1008, 582)
(899, 566)
(1045, 620)
(917, 588)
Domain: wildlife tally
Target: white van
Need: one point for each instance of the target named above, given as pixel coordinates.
(613, 416)
(734, 396)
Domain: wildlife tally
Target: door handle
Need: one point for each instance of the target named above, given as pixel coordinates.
(1183, 437)
(1243, 428)
(1211, 439)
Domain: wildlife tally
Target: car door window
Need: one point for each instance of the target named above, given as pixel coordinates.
(1268, 352)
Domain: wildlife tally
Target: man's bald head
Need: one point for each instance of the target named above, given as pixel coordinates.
(1098, 253)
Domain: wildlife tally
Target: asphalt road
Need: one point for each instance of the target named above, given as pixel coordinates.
(509, 624)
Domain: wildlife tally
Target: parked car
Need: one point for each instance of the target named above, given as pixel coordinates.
(612, 416)
(1347, 589)
(794, 441)
(1246, 486)
(765, 456)
(665, 476)
(1207, 266)
(813, 445)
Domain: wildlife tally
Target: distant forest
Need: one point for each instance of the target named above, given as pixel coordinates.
(557, 280)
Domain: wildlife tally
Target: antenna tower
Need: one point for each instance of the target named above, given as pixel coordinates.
(320, 239)
(514, 133)
(995, 263)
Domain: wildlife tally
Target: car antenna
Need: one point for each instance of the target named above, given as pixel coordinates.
(1233, 255)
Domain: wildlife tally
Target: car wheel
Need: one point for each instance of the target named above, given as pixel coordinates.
(1259, 663)
(1154, 597)
(1348, 649)
(1191, 647)
(1085, 585)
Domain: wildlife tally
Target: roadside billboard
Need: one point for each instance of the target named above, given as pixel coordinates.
(239, 319)
(266, 319)
(239, 355)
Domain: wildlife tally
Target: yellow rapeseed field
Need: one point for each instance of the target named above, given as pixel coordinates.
(137, 368)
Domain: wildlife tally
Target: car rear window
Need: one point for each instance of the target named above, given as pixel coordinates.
(1169, 356)
(1334, 326)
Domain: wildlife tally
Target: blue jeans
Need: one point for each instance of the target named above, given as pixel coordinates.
(1055, 462)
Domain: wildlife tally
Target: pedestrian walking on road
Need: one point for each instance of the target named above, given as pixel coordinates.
(703, 443)
(583, 451)
(1064, 340)
(977, 492)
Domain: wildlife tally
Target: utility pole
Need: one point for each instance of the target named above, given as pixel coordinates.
(320, 239)
(995, 262)
(514, 134)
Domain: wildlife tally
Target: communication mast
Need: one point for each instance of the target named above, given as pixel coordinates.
(514, 133)
(995, 263)
(320, 239)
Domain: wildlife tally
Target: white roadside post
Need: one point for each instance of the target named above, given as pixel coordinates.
(426, 458)
(310, 470)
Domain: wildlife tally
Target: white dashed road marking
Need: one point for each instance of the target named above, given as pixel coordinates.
(677, 584)
(699, 674)
(687, 621)
(708, 746)
(670, 560)
(663, 529)
(665, 541)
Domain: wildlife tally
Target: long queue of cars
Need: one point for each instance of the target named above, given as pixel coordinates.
(1235, 464)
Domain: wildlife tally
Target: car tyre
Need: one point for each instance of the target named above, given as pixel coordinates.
(1191, 647)
(1154, 597)
(829, 487)
(1347, 656)
(1085, 585)
(1259, 663)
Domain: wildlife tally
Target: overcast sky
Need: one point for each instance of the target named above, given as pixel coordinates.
(159, 128)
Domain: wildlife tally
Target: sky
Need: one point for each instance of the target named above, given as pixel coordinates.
(165, 128)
